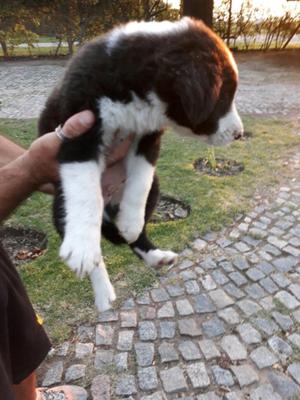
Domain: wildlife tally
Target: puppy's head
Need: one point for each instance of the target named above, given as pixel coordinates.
(198, 79)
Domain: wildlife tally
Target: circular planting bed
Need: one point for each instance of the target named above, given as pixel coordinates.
(221, 167)
(170, 209)
(23, 244)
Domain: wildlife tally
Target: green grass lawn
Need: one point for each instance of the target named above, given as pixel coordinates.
(47, 39)
(35, 52)
(63, 301)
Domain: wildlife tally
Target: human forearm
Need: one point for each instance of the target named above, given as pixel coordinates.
(9, 151)
(16, 184)
(37, 166)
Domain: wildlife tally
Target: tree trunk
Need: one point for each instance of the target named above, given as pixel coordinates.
(58, 47)
(229, 23)
(146, 10)
(4, 48)
(291, 36)
(200, 9)
(70, 45)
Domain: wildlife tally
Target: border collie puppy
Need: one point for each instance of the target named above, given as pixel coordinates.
(138, 78)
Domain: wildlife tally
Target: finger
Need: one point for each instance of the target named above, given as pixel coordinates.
(78, 124)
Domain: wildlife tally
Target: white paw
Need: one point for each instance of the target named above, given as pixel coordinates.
(157, 258)
(103, 289)
(130, 225)
(81, 253)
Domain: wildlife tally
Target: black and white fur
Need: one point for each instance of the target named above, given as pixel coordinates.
(139, 78)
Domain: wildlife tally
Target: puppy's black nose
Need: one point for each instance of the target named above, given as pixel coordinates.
(238, 135)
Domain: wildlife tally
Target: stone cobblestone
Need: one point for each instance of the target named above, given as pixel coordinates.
(74, 372)
(233, 347)
(147, 378)
(125, 385)
(104, 335)
(245, 375)
(230, 316)
(167, 329)
(213, 327)
(100, 388)
(189, 350)
(166, 311)
(83, 350)
(144, 353)
(263, 358)
(103, 358)
(147, 330)
(287, 300)
(189, 327)
(125, 340)
(173, 380)
(248, 334)
(53, 374)
(198, 375)
(284, 321)
(223, 377)
(280, 347)
(184, 307)
(209, 349)
(167, 352)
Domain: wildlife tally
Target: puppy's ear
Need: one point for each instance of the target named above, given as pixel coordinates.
(198, 87)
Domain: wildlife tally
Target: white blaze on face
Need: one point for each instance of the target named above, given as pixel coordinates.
(230, 127)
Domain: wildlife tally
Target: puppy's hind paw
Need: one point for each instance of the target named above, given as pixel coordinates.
(130, 226)
(103, 290)
(158, 258)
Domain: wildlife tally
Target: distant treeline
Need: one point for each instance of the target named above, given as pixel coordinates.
(76, 21)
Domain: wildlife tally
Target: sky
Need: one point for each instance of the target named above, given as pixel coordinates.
(275, 7)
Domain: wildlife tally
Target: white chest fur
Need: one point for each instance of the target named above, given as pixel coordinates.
(140, 116)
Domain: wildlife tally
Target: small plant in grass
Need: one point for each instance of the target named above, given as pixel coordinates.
(216, 166)
(211, 158)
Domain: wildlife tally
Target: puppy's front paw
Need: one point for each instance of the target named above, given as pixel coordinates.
(130, 225)
(157, 258)
(81, 253)
(103, 289)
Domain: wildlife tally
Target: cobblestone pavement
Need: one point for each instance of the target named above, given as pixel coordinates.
(269, 85)
(224, 323)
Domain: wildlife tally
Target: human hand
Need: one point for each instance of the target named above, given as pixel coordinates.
(41, 157)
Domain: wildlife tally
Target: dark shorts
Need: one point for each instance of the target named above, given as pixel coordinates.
(23, 342)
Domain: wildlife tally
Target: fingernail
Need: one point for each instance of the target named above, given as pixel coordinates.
(87, 118)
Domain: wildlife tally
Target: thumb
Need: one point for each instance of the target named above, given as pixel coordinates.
(78, 124)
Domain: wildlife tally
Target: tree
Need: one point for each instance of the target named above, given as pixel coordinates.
(153, 8)
(229, 21)
(80, 20)
(246, 23)
(201, 9)
(74, 20)
(16, 23)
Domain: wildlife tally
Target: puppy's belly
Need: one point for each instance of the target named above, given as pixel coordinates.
(113, 183)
